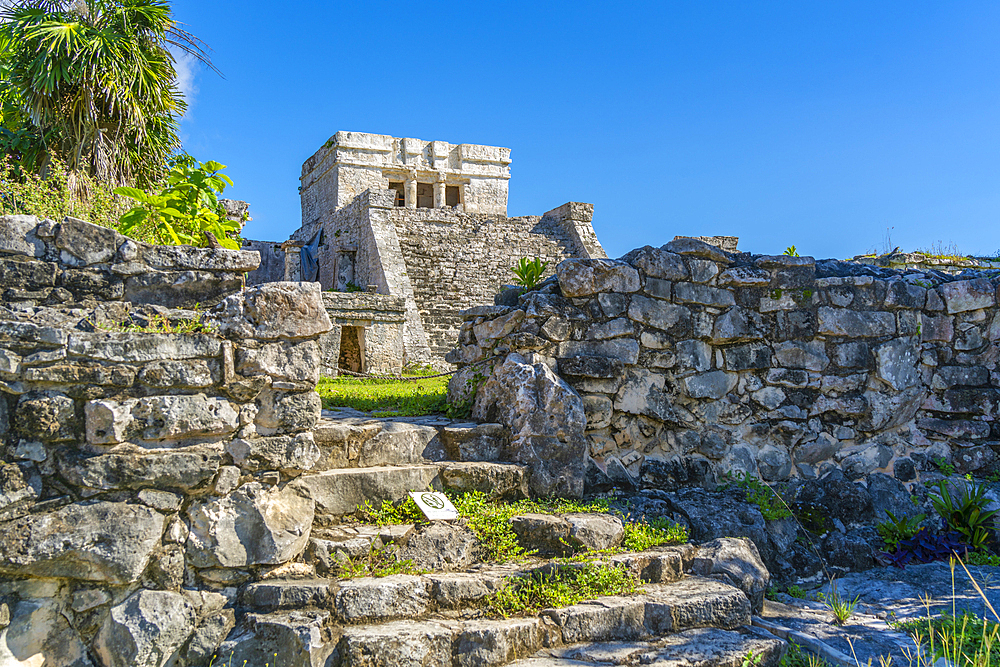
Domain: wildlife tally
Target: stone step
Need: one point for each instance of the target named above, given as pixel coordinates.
(364, 442)
(341, 491)
(345, 635)
(369, 599)
(664, 609)
(704, 647)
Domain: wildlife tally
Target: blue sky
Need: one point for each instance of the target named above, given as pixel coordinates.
(838, 127)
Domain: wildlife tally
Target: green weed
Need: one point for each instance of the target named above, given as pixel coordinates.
(378, 563)
(796, 657)
(561, 588)
(797, 592)
(842, 608)
(641, 535)
(896, 529)
(760, 494)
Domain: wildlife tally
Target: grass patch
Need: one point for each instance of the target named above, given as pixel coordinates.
(965, 640)
(386, 398)
(562, 588)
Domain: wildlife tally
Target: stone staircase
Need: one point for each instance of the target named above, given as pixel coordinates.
(368, 459)
(438, 618)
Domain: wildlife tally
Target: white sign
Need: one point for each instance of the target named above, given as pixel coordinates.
(435, 505)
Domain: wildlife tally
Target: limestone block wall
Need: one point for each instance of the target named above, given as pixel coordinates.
(43, 262)
(144, 476)
(692, 362)
(380, 318)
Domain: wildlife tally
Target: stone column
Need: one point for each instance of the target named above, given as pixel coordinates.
(293, 260)
(410, 186)
(439, 199)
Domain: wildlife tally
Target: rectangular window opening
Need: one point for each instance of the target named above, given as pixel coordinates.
(400, 192)
(451, 195)
(425, 195)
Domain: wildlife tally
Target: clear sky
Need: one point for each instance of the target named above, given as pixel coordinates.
(838, 127)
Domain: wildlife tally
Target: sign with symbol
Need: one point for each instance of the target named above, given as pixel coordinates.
(434, 505)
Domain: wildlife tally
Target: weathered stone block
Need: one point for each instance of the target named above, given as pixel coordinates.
(583, 277)
(295, 362)
(855, 324)
(896, 363)
(852, 355)
(546, 419)
(273, 310)
(657, 263)
(101, 541)
(964, 295)
(175, 257)
(252, 526)
(290, 454)
(48, 416)
(177, 289)
(286, 412)
(27, 274)
(145, 630)
(193, 374)
(703, 295)
(901, 294)
(498, 327)
(748, 356)
(622, 349)
(738, 325)
(183, 469)
(83, 243)
(695, 248)
(591, 367)
(659, 314)
(17, 236)
(138, 348)
(809, 355)
(159, 418)
(714, 384)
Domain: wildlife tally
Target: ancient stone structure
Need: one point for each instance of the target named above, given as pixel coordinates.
(367, 334)
(425, 221)
(691, 362)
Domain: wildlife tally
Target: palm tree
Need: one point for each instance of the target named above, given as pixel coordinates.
(97, 82)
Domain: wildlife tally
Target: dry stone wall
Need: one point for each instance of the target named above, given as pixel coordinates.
(43, 262)
(691, 362)
(145, 475)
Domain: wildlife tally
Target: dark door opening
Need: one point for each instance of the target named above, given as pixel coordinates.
(352, 355)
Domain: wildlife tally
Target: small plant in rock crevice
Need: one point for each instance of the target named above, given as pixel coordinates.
(772, 507)
(641, 535)
(925, 547)
(842, 608)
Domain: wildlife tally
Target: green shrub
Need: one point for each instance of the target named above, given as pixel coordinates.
(529, 272)
(60, 195)
(966, 514)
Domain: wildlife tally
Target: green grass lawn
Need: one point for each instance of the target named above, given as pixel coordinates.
(386, 398)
